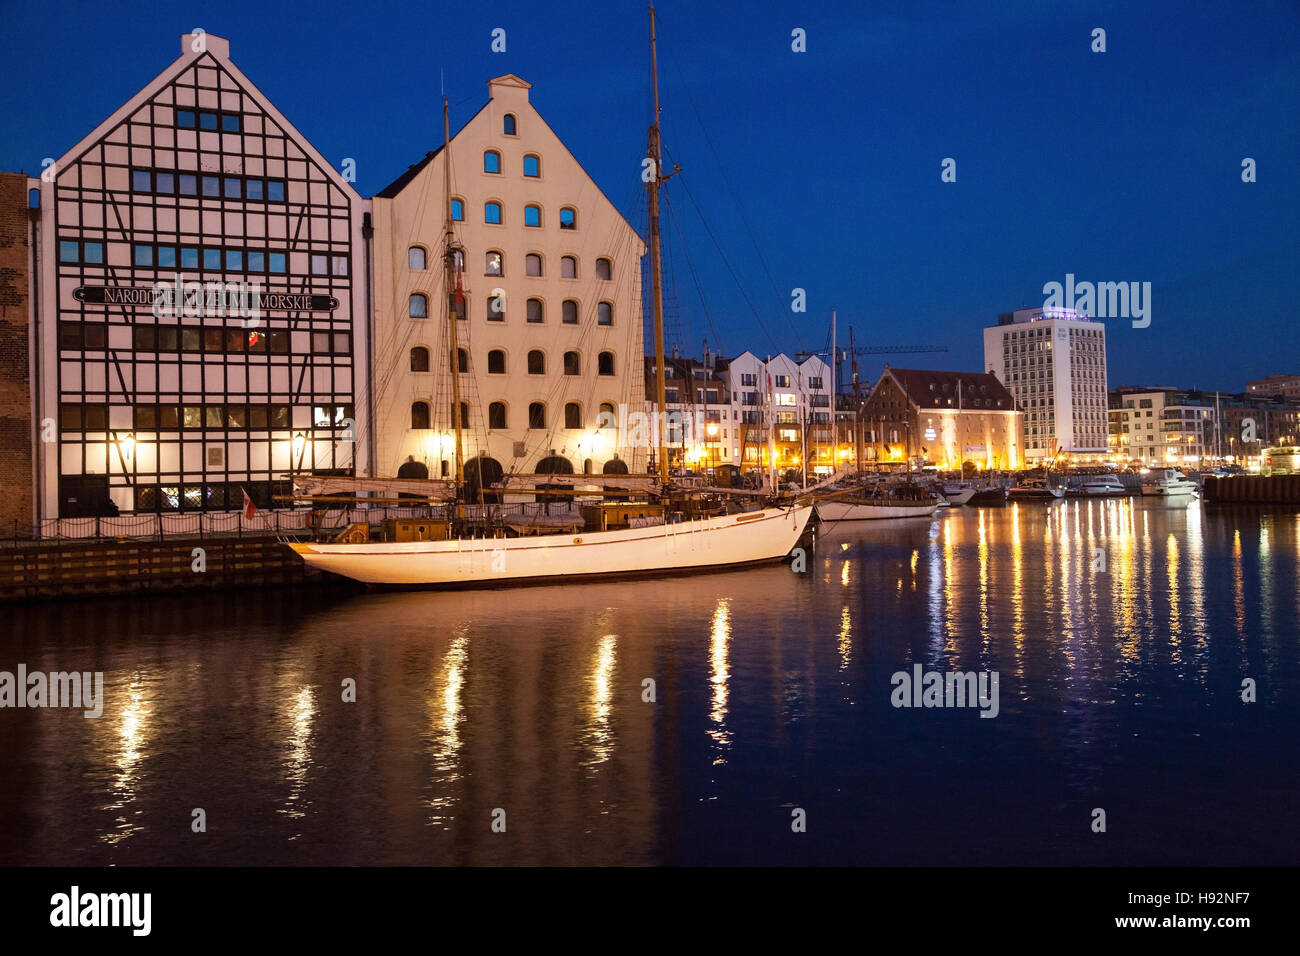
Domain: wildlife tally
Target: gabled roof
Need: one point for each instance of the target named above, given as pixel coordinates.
(930, 389)
(398, 184)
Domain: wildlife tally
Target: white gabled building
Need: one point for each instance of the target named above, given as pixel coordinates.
(792, 398)
(550, 327)
(198, 177)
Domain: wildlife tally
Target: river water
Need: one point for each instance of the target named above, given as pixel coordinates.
(1121, 633)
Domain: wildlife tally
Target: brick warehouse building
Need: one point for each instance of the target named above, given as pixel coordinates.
(17, 437)
(197, 178)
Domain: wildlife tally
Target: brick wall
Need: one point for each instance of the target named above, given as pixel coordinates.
(15, 373)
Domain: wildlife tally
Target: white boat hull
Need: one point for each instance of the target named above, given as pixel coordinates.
(1166, 491)
(708, 544)
(858, 511)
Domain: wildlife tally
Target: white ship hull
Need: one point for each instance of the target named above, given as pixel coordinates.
(707, 544)
(859, 511)
(1177, 490)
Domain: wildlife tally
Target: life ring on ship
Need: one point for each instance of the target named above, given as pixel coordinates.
(355, 536)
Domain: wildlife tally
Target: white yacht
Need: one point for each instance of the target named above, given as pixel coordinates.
(1169, 483)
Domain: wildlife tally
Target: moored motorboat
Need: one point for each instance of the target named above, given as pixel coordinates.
(1100, 486)
(1171, 483)
(1035, 489)
(866, 509)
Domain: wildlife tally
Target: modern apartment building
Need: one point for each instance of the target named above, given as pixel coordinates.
(790, 400)
(1159, 425)
(546, 286)
(198, 311)
(1053, 362)
(1284, 386)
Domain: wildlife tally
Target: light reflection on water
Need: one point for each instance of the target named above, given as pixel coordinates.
(1118, 682)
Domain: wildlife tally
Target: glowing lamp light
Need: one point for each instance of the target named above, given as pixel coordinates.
(126, 446)
(299, 443)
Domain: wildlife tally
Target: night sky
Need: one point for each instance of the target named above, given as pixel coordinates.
(818, 170)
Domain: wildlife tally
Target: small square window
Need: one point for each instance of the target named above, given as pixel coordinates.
(275, 190)
(234, 188)
(257, 262)
(319, 265)
(189, 257)
(211, 186)
(185, 118)
(141, 181)
(207, 120)
(342, 343)
(320, 343)
(279, 342)
(212, 259)
(340, 265)
(167, 257)
(69, 251)
(253, 189)
(144, 255)
(92, 252)
(532, 216)
(189, 184)
(164, 183)
(457, 210)
(277, 261)
(230, 122)
(234, 260)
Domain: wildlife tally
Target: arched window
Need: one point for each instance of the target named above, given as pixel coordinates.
(419, 359)
(572, 363)
(532, 264)
(491, 161)
(536, 362)
(458, 309)
(569, 312)
(496, 308)
(586, 467)
(536, 415)
(605, 313)
(568, 218)
(605, 363)
(508, 124)
(492, 213)
(458, 209)
(420, 415)
(568, 267)
(532, 165)
(497, 415)
(419, 305)
(496, 362)
(536, 311)
(604, 268)
(415, 257)
(572, 415)
(532, 216)
(464, 414)
(464, 360)
(607, 413)
(495, 264)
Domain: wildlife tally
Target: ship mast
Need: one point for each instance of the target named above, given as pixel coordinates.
(657, 179)
(450, 249)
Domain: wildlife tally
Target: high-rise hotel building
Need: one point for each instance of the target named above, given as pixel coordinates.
(546, 287)
(1053, 362)
(163, 403)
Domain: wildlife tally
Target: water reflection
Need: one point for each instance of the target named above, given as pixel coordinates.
(719, 643)
(443, 740)
(134, 736)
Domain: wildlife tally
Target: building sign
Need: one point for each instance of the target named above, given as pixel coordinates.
(930, 434)
(210, 298)
(976, 450)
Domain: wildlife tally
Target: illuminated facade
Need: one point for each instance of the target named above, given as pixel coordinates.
(154, 401)
(1053, 362)
(944, 419)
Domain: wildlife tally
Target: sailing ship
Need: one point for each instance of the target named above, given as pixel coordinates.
(655, 526)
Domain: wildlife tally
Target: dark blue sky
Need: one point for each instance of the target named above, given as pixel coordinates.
(818, 170)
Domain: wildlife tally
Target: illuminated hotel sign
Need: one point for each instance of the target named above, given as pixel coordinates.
(211, 298)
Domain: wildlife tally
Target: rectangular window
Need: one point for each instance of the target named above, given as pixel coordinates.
(189, 257)
(145, 416)
(279, 416)
(168, 339)
(234, 260)
(320, 343)
(141, 181)
(211, 186)
(257, 417)
(185, 119)
(69, 251)
(214, 416)
(342, 343)
(340, 265)
(234, 188)
(92, 253)
(207, 120)
(189, 184)
(230, 122)
(167, 257)
(213, 340)
(189, 339)
(144, 338)
(144, 255)
(212, 259)
(277, 261)
(275, 190)
(257, 262)
(253, 189)
(279, 342)
(234, 340)
(319, 265)
(164, 183)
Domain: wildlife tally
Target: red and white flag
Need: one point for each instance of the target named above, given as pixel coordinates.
(250, 509)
